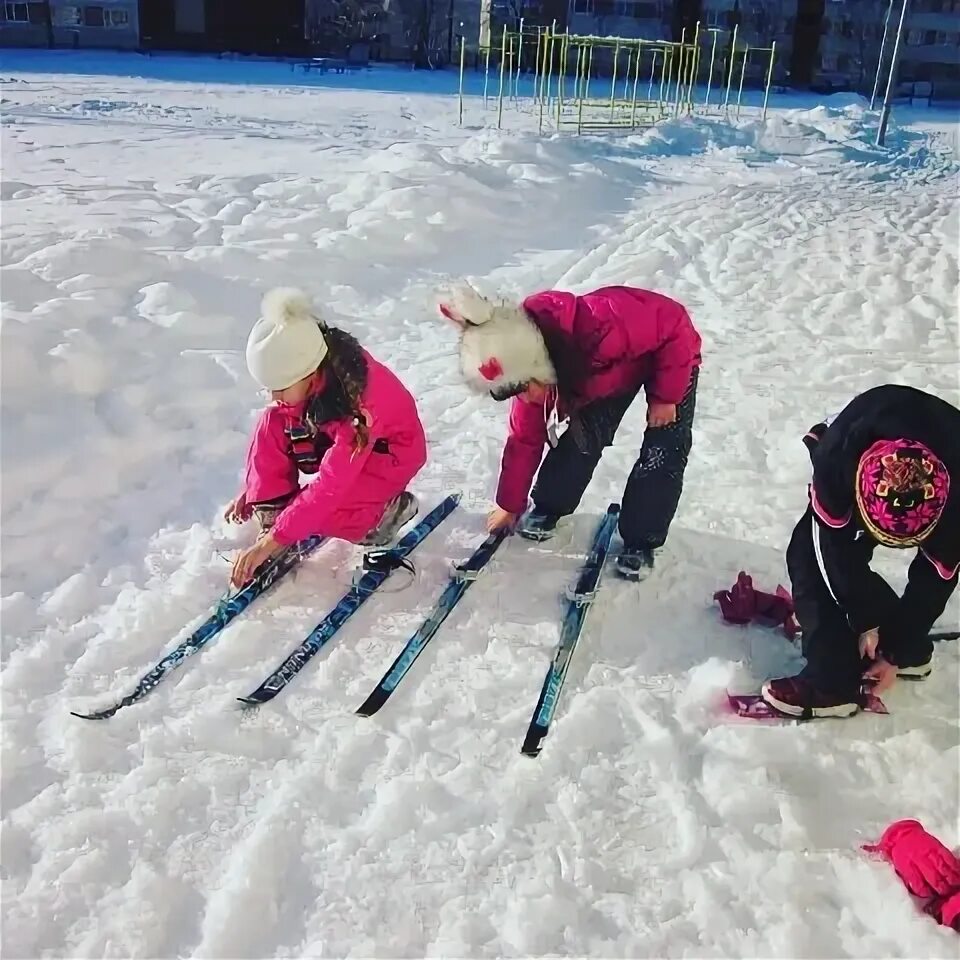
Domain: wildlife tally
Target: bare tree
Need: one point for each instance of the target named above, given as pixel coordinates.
(337, 24)
(425, 26)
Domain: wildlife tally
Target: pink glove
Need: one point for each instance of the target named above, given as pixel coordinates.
(742, 603)
(926, 867)
(946, 910)
(739, 603)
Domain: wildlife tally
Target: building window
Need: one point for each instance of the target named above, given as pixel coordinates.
(846, 29)
(16, 12)
(646, 11)
(93, 16)
(118, 17)
(583, 6)
(915, 38)
(825, 26)
(603, 8)
(66, 16)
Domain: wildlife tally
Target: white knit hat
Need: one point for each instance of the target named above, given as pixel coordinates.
(286, 344)
(501, 348)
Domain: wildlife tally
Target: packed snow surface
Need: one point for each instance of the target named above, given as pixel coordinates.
(147, 205)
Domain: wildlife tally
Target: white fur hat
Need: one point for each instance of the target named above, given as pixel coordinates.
(501, 348)
(286, 344)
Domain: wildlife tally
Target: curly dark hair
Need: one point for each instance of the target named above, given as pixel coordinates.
(346, 369)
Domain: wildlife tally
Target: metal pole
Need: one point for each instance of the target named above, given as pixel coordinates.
(586, 90)
(463, 55)
(680, 66)
(581, 59)
(653, 70)
(883, 44)
(486, 79)
(516, 85)
(894, 69)
(733, 54)
(663, 76)
(713, 53)
(694, 68)
(743, 73)
(613, 82)
(766, 91)
(503, 64)
(636, 80)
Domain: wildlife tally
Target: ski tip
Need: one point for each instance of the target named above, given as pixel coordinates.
(250, 701)
(533, 742)
(373, 703)
(97, 715)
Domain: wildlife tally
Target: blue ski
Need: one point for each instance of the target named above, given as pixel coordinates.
(573, 620)
(272, 571)
(459, 583)
(383, 563)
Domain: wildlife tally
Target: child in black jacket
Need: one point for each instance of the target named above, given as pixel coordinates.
(882, 473)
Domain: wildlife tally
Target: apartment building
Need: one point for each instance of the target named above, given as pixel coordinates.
(111, 24)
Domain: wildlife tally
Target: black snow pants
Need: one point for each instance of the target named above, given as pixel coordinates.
(655, 483)
(830, 644)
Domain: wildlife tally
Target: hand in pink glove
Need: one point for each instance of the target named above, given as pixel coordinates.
(946, 910)
(926, 867)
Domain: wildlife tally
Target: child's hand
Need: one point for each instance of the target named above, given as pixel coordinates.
(661, 414)
(883, 674)
(251, 558)
(868, 644)
(238, 510)
(498, 520)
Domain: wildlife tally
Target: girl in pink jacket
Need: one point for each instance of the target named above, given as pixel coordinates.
(582, 360)
(336, 413)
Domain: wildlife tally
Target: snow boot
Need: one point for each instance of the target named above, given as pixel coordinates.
(635, 563)
(538, 526)
(399, 511)
(798, 697)
(266, 513)
(917, 671)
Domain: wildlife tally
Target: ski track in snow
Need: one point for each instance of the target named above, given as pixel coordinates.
(143, 220)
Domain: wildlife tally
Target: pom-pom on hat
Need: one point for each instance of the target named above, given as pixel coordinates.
(501, 348)
(286, 344)
(902, 488)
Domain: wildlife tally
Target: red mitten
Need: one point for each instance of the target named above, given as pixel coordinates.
(739, 603)
(926, 867)
(946, 910)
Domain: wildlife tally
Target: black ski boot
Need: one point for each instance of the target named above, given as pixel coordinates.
(538, 526)
(635, 563)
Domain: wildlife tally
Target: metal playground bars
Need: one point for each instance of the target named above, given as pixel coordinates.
(635, 82)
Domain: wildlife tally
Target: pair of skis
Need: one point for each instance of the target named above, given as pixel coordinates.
(380, 564)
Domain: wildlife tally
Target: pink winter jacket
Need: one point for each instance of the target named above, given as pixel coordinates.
(347, 497)
(606, 343)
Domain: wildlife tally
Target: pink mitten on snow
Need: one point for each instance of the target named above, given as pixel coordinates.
(946, 910)
(926, 867)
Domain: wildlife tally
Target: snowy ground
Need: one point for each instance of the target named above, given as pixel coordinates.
(142, 221)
